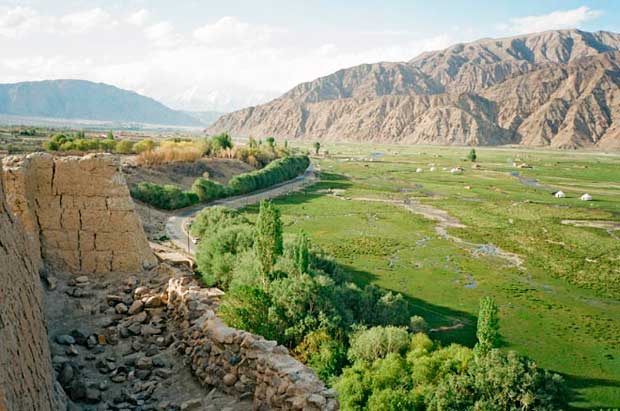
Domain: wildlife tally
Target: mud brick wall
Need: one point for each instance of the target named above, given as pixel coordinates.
(77, 212)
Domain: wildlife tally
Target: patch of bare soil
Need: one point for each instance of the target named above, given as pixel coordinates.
(114, 349)
(184, 174)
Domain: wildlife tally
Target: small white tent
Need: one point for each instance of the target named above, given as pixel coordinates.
(586, 197)
(418, 170)
(560, 194)
(433, 169)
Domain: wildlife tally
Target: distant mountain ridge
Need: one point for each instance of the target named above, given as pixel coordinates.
(556, 88)
(85, 100)
(206, 117)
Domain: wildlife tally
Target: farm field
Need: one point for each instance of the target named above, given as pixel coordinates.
(444, 240)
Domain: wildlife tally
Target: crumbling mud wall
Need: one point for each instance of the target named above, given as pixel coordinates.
(77, 212)
(238, 362)
(26, 376)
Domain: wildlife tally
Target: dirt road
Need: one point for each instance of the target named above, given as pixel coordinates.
(176, 224)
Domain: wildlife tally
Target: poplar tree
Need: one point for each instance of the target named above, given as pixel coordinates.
(488, 326)
(268, 243)
(302, 259)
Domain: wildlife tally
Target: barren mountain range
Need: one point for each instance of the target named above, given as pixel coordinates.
(556, 88)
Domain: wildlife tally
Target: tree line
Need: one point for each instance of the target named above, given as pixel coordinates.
(170, 197)
(362, 341)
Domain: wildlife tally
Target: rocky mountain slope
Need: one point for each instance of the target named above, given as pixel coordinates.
(85, 100)
(556, 88)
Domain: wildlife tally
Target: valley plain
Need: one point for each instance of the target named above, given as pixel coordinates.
(444, 240)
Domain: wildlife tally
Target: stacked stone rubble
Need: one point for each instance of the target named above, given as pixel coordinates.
(239, 362)
(77, 212)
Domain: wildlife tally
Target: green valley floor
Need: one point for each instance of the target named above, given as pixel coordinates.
(400, 218)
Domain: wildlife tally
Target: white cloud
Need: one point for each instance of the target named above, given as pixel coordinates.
(561, 19)
(162, 34)
(18, 20)
(138, 18)
(83, 21)
(224, 65)
(231, 32)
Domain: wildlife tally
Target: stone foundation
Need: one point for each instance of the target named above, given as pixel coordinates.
(77, 212)
(239, 362)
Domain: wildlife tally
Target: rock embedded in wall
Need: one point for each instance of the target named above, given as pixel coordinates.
(238, 362)
(77, 211)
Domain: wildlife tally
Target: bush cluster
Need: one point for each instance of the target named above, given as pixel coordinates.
(275, 172)
(78, 142)
(166, 197)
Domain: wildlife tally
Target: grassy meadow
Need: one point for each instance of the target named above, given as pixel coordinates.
(560, 305)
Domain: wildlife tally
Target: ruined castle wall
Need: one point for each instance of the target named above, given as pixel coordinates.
(26, 376)
(241, 363)
(77, 211)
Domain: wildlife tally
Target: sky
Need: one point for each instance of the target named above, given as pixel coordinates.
(225, 55)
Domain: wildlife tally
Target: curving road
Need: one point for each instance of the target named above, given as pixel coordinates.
(176, 224)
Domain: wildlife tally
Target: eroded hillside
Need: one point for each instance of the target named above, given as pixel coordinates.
(557, 88)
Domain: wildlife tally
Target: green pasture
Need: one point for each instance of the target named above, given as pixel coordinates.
(560, 307)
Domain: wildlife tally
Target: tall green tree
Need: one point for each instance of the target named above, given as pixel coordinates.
(268, 243)
(317, 147)
(488, 326)
(271, 142)
(302, 255)
(472, 155)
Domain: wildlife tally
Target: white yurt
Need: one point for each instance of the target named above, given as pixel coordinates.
(418, 170)
(586, 197)
(456, 170)
(433, 169)
(559, 194)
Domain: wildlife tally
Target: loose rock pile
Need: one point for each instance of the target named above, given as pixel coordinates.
(238, 362)
(113, 348)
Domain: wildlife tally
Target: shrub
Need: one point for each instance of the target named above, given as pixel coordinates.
(376, 342)
(208, 190)
(211, 219)
(216, 254)
(167, 197)
(417, 324)
(247, 308)
(124, 147)
(144, 145)
(170, 152)
(498, 381)
(220, 142)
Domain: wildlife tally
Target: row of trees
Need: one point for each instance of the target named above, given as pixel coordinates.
(360, 340)
(78, 142)
(170, 197)
(275, 172)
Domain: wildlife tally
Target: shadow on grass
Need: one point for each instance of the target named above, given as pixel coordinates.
(576, 382)
(443, 319)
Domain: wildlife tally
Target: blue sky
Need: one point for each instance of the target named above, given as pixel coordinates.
(228, 54)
